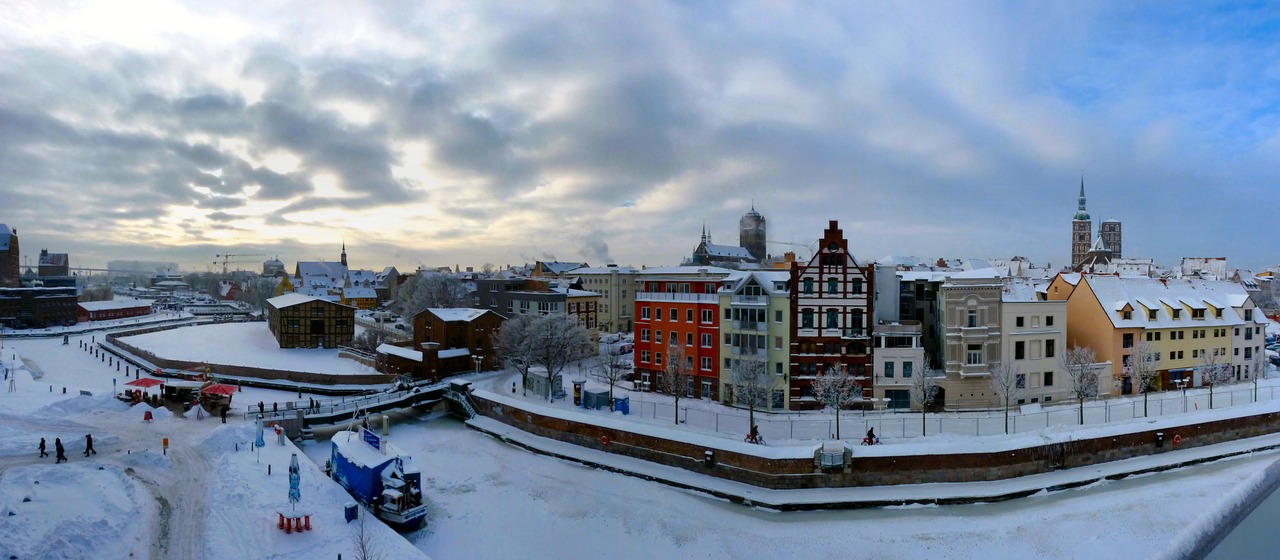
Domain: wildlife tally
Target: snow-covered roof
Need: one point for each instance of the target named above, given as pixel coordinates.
(454, 353)
(359, 293)
(559, 267)
(926, 275)
(357, 451)
(406, 353)
(1160, 296)
(980, 273)
(605, 270)
(127, 303)
(686, 271)
(728, 251)
(450, 315)
(287, 300)
(324, 273)
(1018, 290)
(768, 280)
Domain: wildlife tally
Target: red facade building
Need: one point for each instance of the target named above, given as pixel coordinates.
(679, 305)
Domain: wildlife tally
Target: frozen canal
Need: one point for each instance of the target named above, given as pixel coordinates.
(493, 500)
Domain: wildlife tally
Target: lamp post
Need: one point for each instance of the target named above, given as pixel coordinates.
(1181, 382)
(479, 360)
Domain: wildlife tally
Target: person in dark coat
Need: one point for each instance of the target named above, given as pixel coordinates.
(88, 445)
(261, 407)
(871, 436)
(274, 407)
(224, 414)
(61, 451)
(43, 453)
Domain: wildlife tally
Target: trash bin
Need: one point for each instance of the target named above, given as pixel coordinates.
(1159, 439)
(350, 512)
(709, 458)
(622, 404)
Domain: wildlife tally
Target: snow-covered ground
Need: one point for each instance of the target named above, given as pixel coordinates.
(243, 344)
(206, 499)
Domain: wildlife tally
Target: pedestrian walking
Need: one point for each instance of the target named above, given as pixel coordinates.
(43, 453)
(224, 414)
(88, 445)
(61, 451)
(275, 407)
(261, 409)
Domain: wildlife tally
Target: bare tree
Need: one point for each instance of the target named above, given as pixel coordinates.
(923, 390)
(560, 341)
(834, 389)
(1143, 369)
(614, 367)
(370, 340)
(752, 384)
(1212, 372)
(1007, 381)
(1078, 363)
(430, 290)
(678, 375)
(516, 344)
(362, 539)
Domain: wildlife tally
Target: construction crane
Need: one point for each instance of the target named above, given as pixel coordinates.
(812, 248)
(227, 259)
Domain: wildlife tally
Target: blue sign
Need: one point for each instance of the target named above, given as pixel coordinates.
(372, 439)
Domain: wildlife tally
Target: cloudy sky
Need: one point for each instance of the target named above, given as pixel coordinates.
(476, 132)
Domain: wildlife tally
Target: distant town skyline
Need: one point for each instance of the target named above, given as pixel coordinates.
(504, 133)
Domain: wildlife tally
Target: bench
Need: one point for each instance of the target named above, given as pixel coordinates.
(85, 393)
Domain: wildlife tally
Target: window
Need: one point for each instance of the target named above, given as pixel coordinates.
(833, 319)
(644, 312)
(833, 286)
(856, 287)
(644, 356)
(906, 369)
(1048, 320)
(675, 315)
(688, 315)
(973, 355)
(644, 335)
(1177, 313)
(657, 358)
(1020, 321)
(1197, 314)
(707, 315)
(1248, 314)
(1049, 348)
(1048, 379)
(777, 316)
(808, 286)
(706, 340)
(1022, 381)
(1195, 353)
(857, 321)
(777, 343)
(806, 319)
(1019, 350)
(972, 318)
(657, 337)
(657, 314)
(1126, 314)
(1151, 315)
(673, 339)
(688, 339)
(1127, 340)
(888, 370)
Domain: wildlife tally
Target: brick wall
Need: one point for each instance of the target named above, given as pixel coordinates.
(878, 471)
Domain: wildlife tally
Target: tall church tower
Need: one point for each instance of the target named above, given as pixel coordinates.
(1111, 236)
(751, 234)
(344, 252)
(1081, 229)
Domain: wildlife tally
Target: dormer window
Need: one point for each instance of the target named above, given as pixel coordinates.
(1197, 314)
(1126, 314)
(1151, 315)
(1177, 313)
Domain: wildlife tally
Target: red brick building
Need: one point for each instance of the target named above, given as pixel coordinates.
(679, 305)
(115, 309)
(831, 310)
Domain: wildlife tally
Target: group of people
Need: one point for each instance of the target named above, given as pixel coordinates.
(61, 451)
(313, 405)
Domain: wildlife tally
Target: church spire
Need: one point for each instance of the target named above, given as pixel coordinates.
(705, 238)
(1081, 214)
(344, 253)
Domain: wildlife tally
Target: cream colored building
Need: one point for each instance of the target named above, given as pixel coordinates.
(617, 288)
(1034, 335)
(755, 324)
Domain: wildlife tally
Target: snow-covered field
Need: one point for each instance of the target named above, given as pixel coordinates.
(243, 344)
(206, 499)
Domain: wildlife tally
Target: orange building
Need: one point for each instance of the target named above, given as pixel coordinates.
(679, 305)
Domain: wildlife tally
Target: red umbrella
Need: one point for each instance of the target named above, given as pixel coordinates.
(144, 383)
(219, 389)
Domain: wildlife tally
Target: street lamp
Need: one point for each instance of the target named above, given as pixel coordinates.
(1181, 382)
(479, 360)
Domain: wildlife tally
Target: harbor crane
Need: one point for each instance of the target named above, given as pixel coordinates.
(227, 259)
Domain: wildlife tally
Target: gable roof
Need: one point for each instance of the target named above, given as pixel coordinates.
(1162, 296)
(727, 251)
(452, 314)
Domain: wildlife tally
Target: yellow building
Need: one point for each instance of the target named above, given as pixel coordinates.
(1187, 323)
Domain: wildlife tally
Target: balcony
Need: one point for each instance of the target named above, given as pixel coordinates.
(749, 300)
(901, 328)
(670, 296)
(756, 352)
(760, 326)
(853, 334)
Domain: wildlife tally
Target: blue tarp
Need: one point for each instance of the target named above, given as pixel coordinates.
(364, 483)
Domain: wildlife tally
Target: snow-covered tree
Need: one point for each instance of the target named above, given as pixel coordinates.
(560, 340)
(1144, 367)
(363, 540)
(678, 375)
(516, 343)
(430, 290)
(370, 340)
(1007, 381)
(614, 367)
(834, 389)
(923, 390)
(752, 384)
(257, 291)
(1213, 371)
(1078, 362)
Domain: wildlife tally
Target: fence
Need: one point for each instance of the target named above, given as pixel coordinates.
(907, 424)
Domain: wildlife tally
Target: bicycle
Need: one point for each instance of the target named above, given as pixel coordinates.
(757, 439)
(868, 441)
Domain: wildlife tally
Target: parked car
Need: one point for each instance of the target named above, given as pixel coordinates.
(400, 326)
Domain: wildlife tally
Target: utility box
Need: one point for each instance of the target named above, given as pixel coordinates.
(1159, 440)
(708, 458)
(831, 455)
